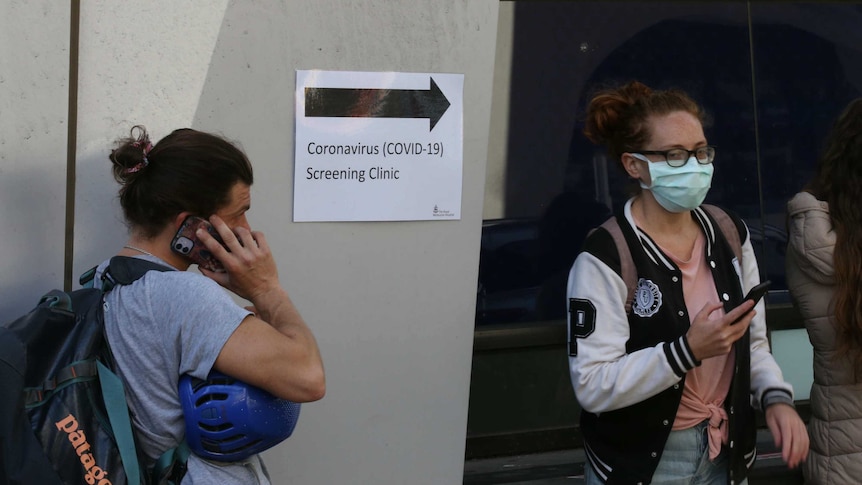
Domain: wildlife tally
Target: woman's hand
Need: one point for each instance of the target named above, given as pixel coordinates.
(711, 337)
(788, 432)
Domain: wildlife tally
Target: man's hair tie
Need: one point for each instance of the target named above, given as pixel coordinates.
(142, 142)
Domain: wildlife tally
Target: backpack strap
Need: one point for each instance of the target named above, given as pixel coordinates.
(124, 270)
(87, 278)
(627, 264)
(77, 371)
(171, 466)
(118, 415)
(727, 227)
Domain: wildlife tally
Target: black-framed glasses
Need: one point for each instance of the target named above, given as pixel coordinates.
(678, 157)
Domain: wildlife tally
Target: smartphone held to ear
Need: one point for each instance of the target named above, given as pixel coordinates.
(187, 244)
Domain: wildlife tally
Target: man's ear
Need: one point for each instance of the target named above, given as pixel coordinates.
(179, 219)
(631, 165)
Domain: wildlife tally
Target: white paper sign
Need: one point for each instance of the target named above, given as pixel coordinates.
(378, 146)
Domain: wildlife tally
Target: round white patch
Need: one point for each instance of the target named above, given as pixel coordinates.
(647, 298)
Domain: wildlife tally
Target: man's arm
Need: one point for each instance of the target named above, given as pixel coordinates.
(274, 350)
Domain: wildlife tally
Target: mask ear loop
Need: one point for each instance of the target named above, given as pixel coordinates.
(643, 158)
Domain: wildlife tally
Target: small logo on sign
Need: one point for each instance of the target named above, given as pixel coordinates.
(438, 212)
(647, 298)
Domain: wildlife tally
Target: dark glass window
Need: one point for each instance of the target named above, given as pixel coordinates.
(772, 76)
(771, 81)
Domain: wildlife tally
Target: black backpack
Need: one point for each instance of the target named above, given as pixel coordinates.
(63, 412)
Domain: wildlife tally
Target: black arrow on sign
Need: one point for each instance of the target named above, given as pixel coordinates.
(376, 103)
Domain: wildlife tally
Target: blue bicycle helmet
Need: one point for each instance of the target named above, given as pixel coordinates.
(229, 420)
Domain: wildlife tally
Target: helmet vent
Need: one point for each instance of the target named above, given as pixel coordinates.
(213, 396)
(224, 446)
(216, 428)
(212, 380)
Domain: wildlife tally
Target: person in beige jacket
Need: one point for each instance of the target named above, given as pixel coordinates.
(824, 275)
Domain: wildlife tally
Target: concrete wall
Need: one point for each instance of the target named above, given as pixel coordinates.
(495, 178)
(392, 304)
(34, 92)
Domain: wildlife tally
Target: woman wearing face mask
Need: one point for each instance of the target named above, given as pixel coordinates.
(665, 380)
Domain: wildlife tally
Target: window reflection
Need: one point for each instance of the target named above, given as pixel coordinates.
(549, 186)
(558, 185)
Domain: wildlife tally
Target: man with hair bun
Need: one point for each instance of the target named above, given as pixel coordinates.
(666, 378)
(168, 324)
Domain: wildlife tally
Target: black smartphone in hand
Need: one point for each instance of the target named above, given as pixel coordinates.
(187, 244)
(755, 294)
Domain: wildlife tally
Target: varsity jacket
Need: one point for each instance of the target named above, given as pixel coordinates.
(628, 371)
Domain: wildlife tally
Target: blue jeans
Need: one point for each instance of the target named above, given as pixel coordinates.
(685, 461)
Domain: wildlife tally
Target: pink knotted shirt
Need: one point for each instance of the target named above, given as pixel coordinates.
(707, 385)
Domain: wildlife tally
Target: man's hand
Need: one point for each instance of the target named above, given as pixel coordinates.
(273, 349)
(250, 269)
(789, 433)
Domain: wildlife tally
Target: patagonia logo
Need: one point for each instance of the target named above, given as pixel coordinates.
(93, 474)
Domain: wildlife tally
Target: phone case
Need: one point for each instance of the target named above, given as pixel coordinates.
(187, 244)
(758, 291)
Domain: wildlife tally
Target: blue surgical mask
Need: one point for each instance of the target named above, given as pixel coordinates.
(678, 189)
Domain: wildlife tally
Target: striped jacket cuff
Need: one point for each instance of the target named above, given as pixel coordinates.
(775, 396)
(679, 356)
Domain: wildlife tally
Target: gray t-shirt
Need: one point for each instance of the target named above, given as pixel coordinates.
(160, 327)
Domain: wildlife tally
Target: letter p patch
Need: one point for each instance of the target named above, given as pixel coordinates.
(582, 322)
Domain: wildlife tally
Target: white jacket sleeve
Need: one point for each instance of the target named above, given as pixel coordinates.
(603, 375)
(767, 382)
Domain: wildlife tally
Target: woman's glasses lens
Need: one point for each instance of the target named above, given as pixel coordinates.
(678, 157)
